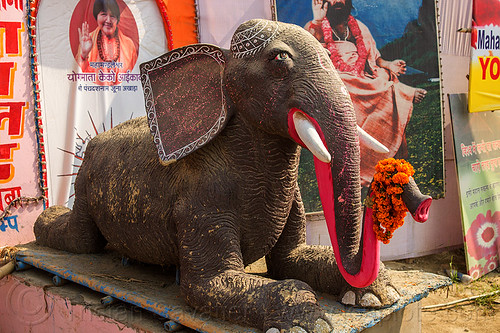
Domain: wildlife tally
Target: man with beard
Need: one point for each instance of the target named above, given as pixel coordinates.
(383, 104)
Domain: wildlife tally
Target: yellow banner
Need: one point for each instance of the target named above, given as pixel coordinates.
(484, 82)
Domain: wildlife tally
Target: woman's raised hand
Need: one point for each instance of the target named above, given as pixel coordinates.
(85, 40)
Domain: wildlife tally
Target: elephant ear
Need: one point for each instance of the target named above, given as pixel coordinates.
(185, 102)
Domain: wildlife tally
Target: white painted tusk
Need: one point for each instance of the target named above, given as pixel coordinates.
(308, 134)
(371, 142)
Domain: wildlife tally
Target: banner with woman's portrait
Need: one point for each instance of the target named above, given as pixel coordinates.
(88, 54)
(386, 53)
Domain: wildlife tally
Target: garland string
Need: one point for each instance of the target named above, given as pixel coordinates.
(359, 67)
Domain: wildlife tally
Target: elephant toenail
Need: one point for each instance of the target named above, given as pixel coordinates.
(322, 326)
(392, 295)
(273, 330)
(349, 298)
(370, 300)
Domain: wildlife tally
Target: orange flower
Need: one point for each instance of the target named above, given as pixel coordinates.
(405, 168)
(401, 178)
(388, 207)
(394, 190)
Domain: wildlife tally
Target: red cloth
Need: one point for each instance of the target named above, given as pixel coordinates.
(382, 103)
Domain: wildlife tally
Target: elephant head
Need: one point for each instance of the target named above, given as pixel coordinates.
(276, 78)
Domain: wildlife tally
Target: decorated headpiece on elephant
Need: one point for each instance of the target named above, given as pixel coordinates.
(227, 125)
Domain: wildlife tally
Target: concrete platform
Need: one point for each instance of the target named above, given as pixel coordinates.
(147, 296)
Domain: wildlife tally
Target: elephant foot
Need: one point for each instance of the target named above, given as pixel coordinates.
(57, 228)
(381, 293)
(50, 225)
(293, 307)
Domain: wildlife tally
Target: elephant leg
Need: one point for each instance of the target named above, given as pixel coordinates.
(291, 258)
(380, 293)
(213, 280)
(69, 230)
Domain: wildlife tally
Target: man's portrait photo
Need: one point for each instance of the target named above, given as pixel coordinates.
(386, 54)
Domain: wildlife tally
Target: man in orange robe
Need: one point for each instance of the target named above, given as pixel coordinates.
(383, 104)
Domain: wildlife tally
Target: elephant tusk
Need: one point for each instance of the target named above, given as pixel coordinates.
(310, 137)
(371, 142)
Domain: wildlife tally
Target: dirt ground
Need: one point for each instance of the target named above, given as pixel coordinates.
(480, 315)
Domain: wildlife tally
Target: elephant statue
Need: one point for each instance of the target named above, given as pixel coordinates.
(208, 182)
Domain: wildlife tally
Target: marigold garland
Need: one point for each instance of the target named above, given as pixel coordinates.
(359, 67)
(388, 207)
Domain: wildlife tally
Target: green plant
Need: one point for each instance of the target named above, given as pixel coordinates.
(453, 272)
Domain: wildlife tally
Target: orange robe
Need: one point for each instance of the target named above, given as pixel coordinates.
(125, 62)
(382, 103)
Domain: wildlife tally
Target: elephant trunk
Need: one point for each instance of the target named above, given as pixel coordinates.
(417, 203)
(353, 239)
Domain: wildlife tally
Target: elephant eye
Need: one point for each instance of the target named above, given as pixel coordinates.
(282, 56)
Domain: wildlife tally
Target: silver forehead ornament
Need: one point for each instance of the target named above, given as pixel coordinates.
(253, 38)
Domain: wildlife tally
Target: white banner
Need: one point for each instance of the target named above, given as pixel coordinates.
(219, 19)
(89, 53)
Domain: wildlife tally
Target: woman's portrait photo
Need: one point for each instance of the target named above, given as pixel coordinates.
(104, 36)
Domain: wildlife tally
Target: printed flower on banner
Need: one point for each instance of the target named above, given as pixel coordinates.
(491, 264)
(475, 271)
(483, 235)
